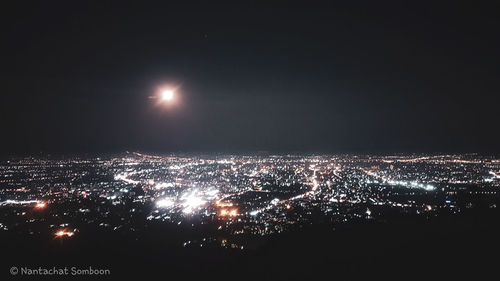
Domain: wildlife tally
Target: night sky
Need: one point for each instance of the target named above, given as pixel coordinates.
(358, 78)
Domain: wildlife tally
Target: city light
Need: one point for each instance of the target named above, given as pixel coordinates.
(40, 205)
(192, 201)
(62, 233)
(229, 213)
(166, 202)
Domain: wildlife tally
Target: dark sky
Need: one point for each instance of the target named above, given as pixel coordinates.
(359, 77)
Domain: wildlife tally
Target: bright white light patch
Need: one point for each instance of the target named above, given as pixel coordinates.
(429, 187)
(166, 202)
(192, 201)
(167, 95)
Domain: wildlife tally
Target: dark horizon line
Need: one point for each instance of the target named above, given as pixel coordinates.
(242, 152)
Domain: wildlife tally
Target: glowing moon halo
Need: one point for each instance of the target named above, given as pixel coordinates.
(167, 97)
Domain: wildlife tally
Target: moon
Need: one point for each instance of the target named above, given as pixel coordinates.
(167, 95)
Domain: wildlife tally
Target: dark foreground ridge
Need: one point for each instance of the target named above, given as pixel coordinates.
(459, 247)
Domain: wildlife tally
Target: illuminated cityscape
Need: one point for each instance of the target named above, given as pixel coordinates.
(230, 201)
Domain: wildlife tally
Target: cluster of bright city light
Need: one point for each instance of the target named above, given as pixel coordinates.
(62, 233)
(412, 184)
(125, 178)
(228, 213)
(191, 200)
(40, 205)
(18, 202)
(165, 203)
